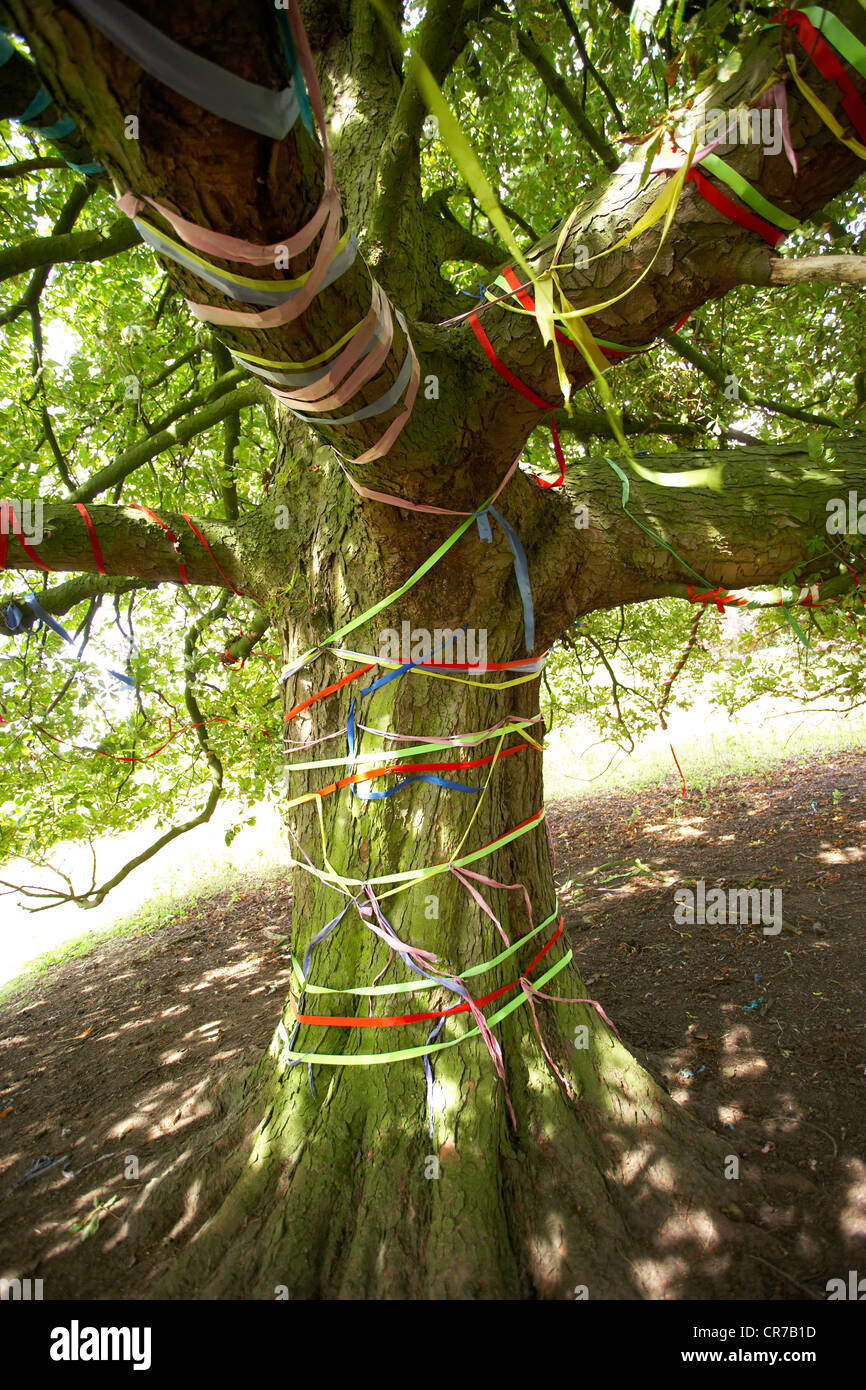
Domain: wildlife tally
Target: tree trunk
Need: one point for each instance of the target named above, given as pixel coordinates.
(600, 1183)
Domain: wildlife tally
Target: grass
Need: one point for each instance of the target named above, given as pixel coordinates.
(708, 746)
(159, 911)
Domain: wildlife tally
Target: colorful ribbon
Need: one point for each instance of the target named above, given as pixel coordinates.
(209, 86)
(524, 390)
(181, 567)
(734, 213)
(412, 986)
(404, 1054)
(30, 601)
(402, 1020)
(92, 537)
(827, 63)
(196, 532)
(231, 248)
(40, 102)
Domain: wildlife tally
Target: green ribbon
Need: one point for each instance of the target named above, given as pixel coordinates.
(421, 875)
(626, 487)
(748, 194)
(380, 754)
(412, 986)
(391, 598)
(374, 1059)
(836, 33)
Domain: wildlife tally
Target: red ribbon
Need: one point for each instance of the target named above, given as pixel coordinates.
(196, 532)
(371, 773)
(328, 690)
(398, 1020)
(181, 567)
(828, 65)
(733, 211)
(525, 391)
(91, 532)
(528, 303)
(679, 769)
(717, 596)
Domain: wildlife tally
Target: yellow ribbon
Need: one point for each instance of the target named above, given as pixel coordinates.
(826, 115)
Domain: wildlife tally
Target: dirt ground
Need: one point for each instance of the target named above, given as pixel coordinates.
(113, 1057)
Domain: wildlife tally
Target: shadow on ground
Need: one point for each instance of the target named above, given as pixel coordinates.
(113, 1060)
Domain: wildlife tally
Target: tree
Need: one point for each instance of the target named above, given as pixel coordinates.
(558, 1162)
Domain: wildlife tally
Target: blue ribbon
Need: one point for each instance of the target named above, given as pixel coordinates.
(42, 99)
(324, 932)
(210, 86)
(407, 666)
(521, 568)
(13, 617)
(263, 291)
(428, 1072)
(431, 777)
(291, 56)
(30, 601)
(381, 404)
(59, 130)
(86, 168)
(7, 50)
(454, 987)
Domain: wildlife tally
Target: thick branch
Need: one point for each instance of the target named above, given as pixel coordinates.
(132, 544)
(761, 523)
(705, 254)
(19, 83)
(74, 246)
(101, 85)
(180, 433)
(454, 242)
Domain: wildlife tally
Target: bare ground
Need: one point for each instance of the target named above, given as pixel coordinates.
(762, 1037)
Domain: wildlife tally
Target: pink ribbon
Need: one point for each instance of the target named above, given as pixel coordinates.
(557, 999)
(777, 96)
(391, 501)
(383, 444)
(307, 398)
(463, 874)
(301, 300)
(450, 740)
(228, 248)
(423, 959)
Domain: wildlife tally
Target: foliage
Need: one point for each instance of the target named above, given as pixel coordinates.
(72, 398)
